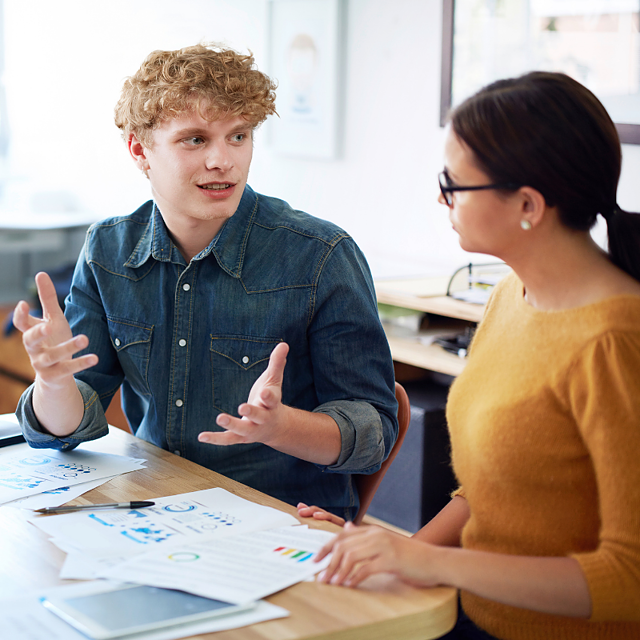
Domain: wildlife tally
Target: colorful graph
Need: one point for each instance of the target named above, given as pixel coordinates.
(293, 554)
(183, 556)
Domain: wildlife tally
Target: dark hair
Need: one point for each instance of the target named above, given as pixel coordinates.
(549, 132)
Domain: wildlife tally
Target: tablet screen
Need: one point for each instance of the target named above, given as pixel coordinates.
(131, 609)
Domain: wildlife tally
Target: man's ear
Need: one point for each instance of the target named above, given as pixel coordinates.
(533, 206)
(138, 152)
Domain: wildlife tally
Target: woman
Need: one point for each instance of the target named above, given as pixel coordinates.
(543, 537)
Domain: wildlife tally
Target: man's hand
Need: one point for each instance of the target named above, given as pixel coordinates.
(263, 415)
(311, 436)
(49, 342)
(305, 511)
(50, 345)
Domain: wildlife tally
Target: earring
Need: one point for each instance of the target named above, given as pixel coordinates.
(526, 225)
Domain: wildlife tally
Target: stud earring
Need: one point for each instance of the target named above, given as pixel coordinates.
(526, 225)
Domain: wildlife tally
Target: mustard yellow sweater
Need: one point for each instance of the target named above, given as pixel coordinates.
(545, 434)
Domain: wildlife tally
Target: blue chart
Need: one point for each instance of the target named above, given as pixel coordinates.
(179, 508)
(198, 517)
(76, 468)
(58, 491)
(35, 461)
(146, 535)
(135, 526)
(221, 518)
(16, 481)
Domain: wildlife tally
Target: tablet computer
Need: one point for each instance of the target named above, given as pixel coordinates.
(132, 608)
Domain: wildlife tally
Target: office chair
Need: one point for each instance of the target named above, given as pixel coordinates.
(367, 485)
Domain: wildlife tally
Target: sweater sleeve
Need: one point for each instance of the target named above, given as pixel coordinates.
(604, 394)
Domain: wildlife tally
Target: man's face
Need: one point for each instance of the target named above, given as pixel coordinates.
(197, 169)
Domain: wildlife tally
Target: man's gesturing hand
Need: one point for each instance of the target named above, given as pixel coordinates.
(49, 342)
(263, 415)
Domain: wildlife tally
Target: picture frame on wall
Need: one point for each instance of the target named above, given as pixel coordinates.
(306, 59)
(596, 42)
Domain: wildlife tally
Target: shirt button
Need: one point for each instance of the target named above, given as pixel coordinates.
(179, 403)
(117, 341)
(182, 343)
(186, 287)
(177, 452)
(245, 360)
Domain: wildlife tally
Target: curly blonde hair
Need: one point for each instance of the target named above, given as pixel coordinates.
(206, 78)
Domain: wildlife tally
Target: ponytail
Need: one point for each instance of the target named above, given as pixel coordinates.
(623, 229)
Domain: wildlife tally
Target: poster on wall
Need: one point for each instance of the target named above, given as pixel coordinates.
(306, 59)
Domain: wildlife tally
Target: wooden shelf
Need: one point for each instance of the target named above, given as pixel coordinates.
(408, 347)
(421, 294)
(441, 305)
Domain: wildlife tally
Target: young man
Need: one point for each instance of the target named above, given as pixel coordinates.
(194, 302)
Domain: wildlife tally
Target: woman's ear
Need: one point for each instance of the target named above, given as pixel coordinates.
(533, 207)
(138, 152)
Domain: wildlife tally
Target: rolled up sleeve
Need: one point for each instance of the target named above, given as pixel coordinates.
(360, 425)
(93, 425)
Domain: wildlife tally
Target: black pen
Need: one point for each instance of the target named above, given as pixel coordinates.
(91, 507)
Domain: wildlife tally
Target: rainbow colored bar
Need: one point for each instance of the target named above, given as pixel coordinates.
(293, 554)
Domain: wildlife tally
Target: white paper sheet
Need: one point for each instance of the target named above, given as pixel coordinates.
(24, 618)
(241, 569)
(26, 472)
(181, 519)
(56, 497)
(83, 566)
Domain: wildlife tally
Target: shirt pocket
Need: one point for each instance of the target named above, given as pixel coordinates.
(236, 363)
(132, 342)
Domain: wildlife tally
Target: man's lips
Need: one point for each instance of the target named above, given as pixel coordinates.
(217, 190)
(216, 186)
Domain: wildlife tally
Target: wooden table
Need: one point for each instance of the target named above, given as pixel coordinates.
(383, 608)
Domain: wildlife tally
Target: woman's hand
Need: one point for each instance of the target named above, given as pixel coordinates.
(359, 552)
(304, 511)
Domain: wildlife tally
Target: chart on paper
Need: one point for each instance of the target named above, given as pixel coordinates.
(238, 569)
(189, 517)
(25, 471)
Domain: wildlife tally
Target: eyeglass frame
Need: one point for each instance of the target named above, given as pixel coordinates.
(447, 192)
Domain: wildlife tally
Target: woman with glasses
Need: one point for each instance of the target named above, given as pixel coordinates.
(543, 536)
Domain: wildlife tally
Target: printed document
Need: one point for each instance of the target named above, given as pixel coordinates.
(181, 519)
(25, 471)
(241, 569)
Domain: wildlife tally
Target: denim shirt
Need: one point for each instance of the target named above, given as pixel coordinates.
(187, 342)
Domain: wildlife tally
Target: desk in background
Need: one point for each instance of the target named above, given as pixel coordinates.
(425, 294)
(383, 608)
(31, 242)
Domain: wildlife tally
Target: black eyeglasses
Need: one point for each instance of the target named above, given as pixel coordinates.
(447, 187)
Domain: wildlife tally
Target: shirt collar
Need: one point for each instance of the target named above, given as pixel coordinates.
(228, 247)
(154, 241)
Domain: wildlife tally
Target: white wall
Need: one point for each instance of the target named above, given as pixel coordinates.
(66, 61)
